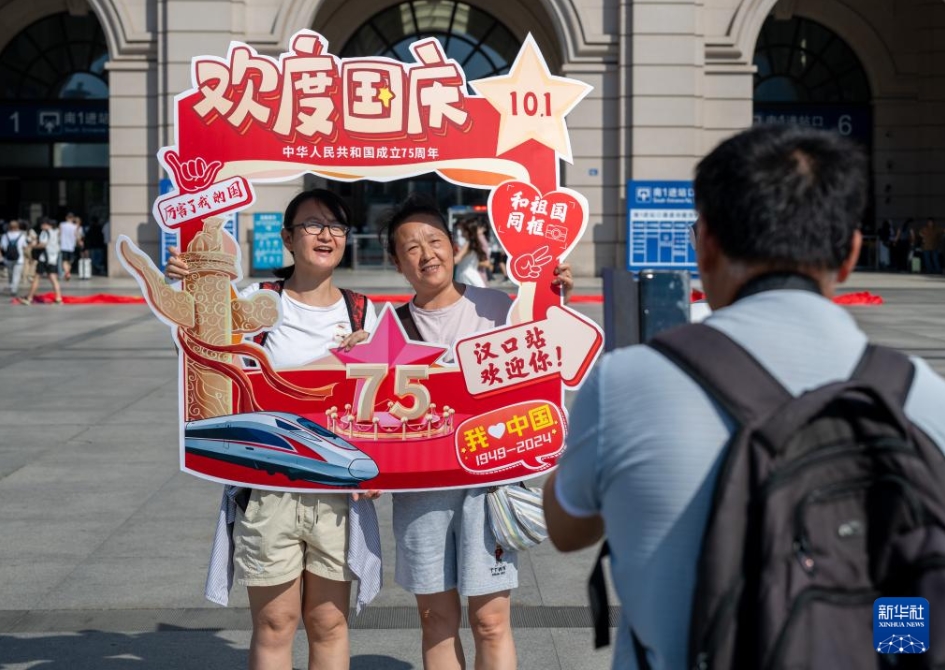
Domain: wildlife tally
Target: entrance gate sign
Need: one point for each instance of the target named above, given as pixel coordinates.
(851, 120)
(659, 217)
(389, 414)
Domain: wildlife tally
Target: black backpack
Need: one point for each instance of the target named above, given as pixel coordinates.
(12, 252)
(823, 503)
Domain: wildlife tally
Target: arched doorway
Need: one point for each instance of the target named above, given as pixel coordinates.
(808, 75)
(54, 120)
(480, 43)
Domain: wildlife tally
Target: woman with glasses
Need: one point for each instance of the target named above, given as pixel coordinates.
(291, 550)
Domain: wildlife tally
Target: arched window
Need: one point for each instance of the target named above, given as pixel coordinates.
(802, 61)
(482, 45)
(58, 57)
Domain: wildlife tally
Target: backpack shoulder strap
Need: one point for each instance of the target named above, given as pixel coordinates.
(406, 320)
(356, 304)
(599, 601)
(723, 369)
(260, 338)
(887, 369)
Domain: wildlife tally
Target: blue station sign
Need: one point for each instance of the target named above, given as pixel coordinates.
(55, 121)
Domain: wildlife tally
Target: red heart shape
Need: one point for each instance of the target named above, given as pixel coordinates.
(535, 228)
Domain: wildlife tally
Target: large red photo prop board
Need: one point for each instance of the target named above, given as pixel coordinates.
(390, 414)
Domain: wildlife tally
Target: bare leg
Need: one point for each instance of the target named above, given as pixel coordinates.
(440, 615)
(490, 617)
(325, 614)
(276, 612)
(54, 280)
(33, 286)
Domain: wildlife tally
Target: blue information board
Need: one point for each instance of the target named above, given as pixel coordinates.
(659, 216)
(230, 224)
(267, 240)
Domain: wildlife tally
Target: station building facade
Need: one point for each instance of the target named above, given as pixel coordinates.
(87, 88)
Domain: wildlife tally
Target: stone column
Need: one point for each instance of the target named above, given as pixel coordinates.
(132, 108)
(595, 144)
(667, 89)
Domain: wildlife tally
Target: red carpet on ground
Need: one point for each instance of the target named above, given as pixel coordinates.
(859, 298)
(94, 299)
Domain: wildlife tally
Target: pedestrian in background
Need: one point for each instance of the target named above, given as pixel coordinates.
(46, 254)
(29, 264)
(95, 245)
(82, 258)
(931, 241)
(884, 244)
(471, 254)
(4, 270)
(13, 248)
(903, 246)
(69, 235)
(778, 229)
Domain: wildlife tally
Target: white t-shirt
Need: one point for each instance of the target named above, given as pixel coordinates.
(51, 239)
(10, 237)
(68, 235)
(306, 333)
(479, 309)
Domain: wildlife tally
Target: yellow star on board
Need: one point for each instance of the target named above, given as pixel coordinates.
(532, 102)
(385, 96)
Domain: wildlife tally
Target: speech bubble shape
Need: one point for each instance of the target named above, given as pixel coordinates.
(565, 343)
(528, 433)
(534, 228)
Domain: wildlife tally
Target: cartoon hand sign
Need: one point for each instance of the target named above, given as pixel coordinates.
(528, 265)
(194, 174)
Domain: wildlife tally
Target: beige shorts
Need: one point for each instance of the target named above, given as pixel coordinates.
(280, 534)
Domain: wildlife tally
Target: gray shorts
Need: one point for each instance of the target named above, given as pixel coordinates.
(444, 541)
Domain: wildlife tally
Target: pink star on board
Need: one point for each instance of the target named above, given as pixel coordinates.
(389, 344)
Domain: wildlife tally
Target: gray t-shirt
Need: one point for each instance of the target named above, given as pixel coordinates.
(478, 310)
(645, 444)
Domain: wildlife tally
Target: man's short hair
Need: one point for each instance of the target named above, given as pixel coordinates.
(785, 196)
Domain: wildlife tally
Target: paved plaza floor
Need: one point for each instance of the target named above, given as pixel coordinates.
(104, 543)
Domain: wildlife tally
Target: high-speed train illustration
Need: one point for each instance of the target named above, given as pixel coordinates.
(280, 442)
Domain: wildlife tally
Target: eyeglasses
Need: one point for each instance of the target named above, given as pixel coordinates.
(315, 227)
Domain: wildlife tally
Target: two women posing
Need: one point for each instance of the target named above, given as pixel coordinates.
(295, 564)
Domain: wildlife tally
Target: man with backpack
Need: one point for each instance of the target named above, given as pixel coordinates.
(762, 478)
(13, 247)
